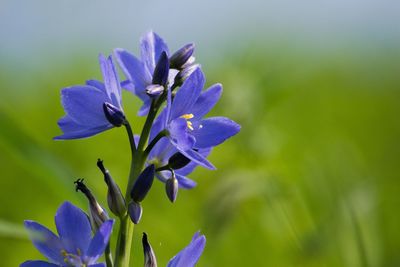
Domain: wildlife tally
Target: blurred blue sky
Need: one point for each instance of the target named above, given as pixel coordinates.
(33, 29)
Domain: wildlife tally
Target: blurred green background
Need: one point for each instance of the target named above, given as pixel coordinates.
(311, 180)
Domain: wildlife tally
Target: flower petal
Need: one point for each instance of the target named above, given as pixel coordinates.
(111, 82)
(99, 241)
(74, 130)
(45, 241)
(84, 104)
(97, 265)
(189, 168)
(73, 226)
(97, 84)
(151, 47)
(135, 71)
(144, 109)
(213, 131)
(188, 94)
(185, 182)
(189, 256)
(38, 264)
(179, 136)
(198, 158)
(207, 101)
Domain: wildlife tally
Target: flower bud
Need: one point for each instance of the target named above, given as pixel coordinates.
(177, 161)
(161, 71)
(149, 256)
(143, 184)
(113, 114)
(154, 89)
(115, 200)
(135, 211)
(171, 188)
(96, 213)
(181, 57)
(184, 74)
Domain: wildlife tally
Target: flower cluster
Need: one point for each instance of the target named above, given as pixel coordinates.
(177, 136)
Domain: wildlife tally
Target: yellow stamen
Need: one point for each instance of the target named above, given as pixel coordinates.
(187, 116)
(189, 125)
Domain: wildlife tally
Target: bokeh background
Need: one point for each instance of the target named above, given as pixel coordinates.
(311, 180)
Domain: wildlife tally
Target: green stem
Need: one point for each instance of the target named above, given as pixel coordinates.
(125, 234)
(131, 137)
(108, 256)
(153, 142)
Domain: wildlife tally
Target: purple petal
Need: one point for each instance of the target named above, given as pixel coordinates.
(198, 158)
(159, 124)
(188, 94)
(207, 101)
(151, 47)
(97, 84)
(97, 265)
(84, 104)
(74, 130)
(144, 109)
(213, 131)
(185, 182)
(45, 241)
(179, 136)
(99, 241)
(135, 71)
(189, 256)
(111, 81)
(38, 264)
(73, 226)
(189, 168)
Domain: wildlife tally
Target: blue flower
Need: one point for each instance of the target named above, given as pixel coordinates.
(74, 246)
(187, 257)
(139, 72)
(94, 107)
(188, 132)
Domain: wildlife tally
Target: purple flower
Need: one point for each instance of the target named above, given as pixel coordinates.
(187, 257)
(188, 132)
(94, 107)
(74, 246)
(142, 73)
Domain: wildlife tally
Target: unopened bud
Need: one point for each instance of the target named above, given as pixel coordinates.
(154, 89)
(143, 184)
(171, 188)
(184, 74)
(177, 161)
(96, 213)
(113, 114)
(161, 71)
(181, 57)
(115, 200)
(149, 256)
(135, 211)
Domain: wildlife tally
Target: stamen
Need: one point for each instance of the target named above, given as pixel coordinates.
(187, 116)
(189, 125)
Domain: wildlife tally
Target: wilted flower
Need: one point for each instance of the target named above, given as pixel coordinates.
(94, 107)
(115, 199)
(74, 246)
